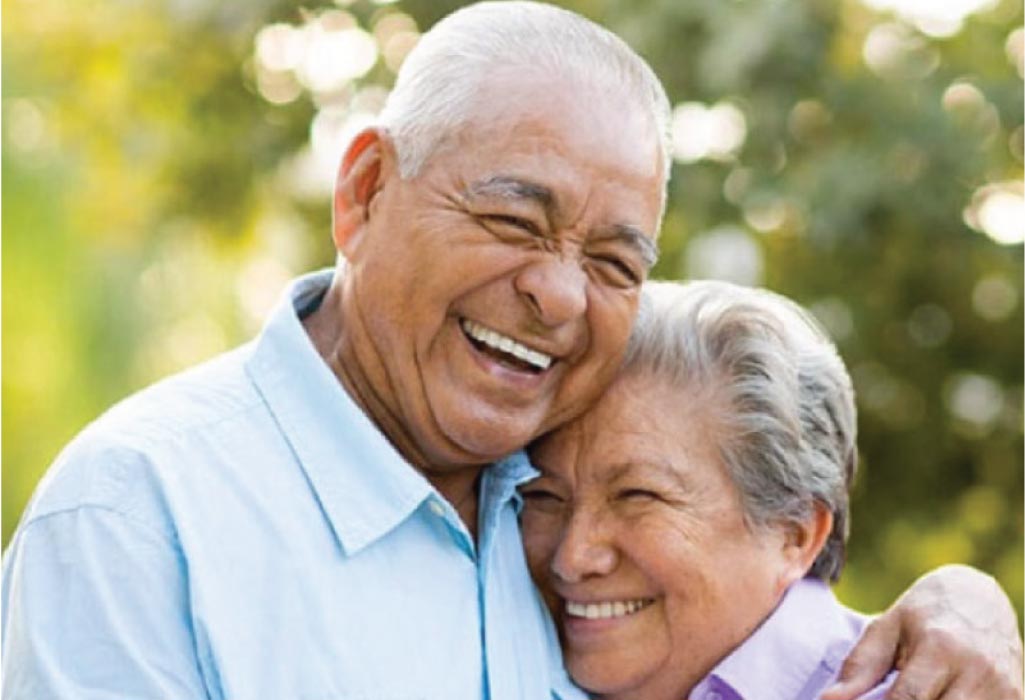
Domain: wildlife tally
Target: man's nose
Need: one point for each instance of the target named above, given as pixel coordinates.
(555, 288)
(585, 550)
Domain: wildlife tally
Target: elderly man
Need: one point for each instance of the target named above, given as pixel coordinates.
(309, 516)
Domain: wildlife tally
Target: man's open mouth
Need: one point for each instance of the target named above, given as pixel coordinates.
(504, 349)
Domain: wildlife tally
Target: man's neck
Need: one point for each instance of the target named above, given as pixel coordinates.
(325, 327)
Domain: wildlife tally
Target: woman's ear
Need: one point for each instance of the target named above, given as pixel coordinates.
(802, 542)
(368, 163)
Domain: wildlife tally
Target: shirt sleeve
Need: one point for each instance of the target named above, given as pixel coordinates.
(95, 606)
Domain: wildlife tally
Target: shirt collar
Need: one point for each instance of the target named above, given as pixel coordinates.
(498, 487)
(362, 483)
(776, 661)
(505, 475)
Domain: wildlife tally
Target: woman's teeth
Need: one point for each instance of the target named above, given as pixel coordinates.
(607, 609)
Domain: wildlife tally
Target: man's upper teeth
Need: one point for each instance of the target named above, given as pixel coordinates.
(607, 609)
(506, 344)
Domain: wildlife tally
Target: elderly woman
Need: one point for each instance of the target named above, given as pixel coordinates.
(684, 530)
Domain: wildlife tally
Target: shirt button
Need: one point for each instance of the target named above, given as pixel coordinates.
(437, 508)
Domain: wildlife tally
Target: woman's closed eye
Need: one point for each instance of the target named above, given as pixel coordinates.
(535, 493)
(541, 499)
(638, 495)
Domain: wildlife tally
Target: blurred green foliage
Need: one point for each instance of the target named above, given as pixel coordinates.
(157, 192)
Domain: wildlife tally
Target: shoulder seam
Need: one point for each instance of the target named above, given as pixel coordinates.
(138, 442)
(150, 531)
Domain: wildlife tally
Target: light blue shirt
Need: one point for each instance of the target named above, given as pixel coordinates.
(243, 531)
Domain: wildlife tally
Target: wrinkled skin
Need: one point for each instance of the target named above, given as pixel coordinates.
(536, 221)
(635, 504)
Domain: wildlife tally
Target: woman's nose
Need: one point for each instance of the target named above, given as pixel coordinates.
(585, 551)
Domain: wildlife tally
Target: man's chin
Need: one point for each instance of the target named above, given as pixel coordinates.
(485, 441)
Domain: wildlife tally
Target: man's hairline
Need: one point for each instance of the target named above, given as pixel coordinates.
(464, 115)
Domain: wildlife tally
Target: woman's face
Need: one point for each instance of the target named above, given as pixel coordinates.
(635, 535)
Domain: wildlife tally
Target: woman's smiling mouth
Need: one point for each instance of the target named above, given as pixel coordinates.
(606, 609)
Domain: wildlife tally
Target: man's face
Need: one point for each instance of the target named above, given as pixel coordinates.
(498, 286)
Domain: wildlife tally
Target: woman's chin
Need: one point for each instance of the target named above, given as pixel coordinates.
(607, 677)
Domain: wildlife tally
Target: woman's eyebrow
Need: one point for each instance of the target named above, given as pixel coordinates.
(661, 468)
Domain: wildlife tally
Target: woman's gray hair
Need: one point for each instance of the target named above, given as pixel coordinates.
(787, 417)
(439, 82)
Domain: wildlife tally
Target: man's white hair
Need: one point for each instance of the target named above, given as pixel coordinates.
(436, 88)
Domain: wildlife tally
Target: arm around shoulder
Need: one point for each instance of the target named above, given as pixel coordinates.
(953, 635)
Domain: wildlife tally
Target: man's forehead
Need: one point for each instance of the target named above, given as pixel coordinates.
(531, 97)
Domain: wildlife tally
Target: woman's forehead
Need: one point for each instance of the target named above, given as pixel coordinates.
(642, 425)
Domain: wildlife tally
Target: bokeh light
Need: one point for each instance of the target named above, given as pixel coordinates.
(969, 108)
(700, 131)
(998, 210)
(994, 298)
(893, 50)
(396, 34)
(327, 57)
(765, 215)
(976, 400)
(337, 51)
(725, 253)
(938, 18)
(26, 125)
(280, 47)
(1015, 47)
(323, 55)
(835, 316)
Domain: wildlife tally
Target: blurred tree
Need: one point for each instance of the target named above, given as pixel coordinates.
(166, 167)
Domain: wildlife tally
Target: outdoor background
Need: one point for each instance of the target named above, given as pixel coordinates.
(167, 166)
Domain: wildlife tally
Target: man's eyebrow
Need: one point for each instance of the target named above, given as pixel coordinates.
(636, 239)
(507, 187)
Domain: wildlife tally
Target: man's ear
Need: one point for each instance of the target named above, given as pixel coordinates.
(802, 542)
(368, 163)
